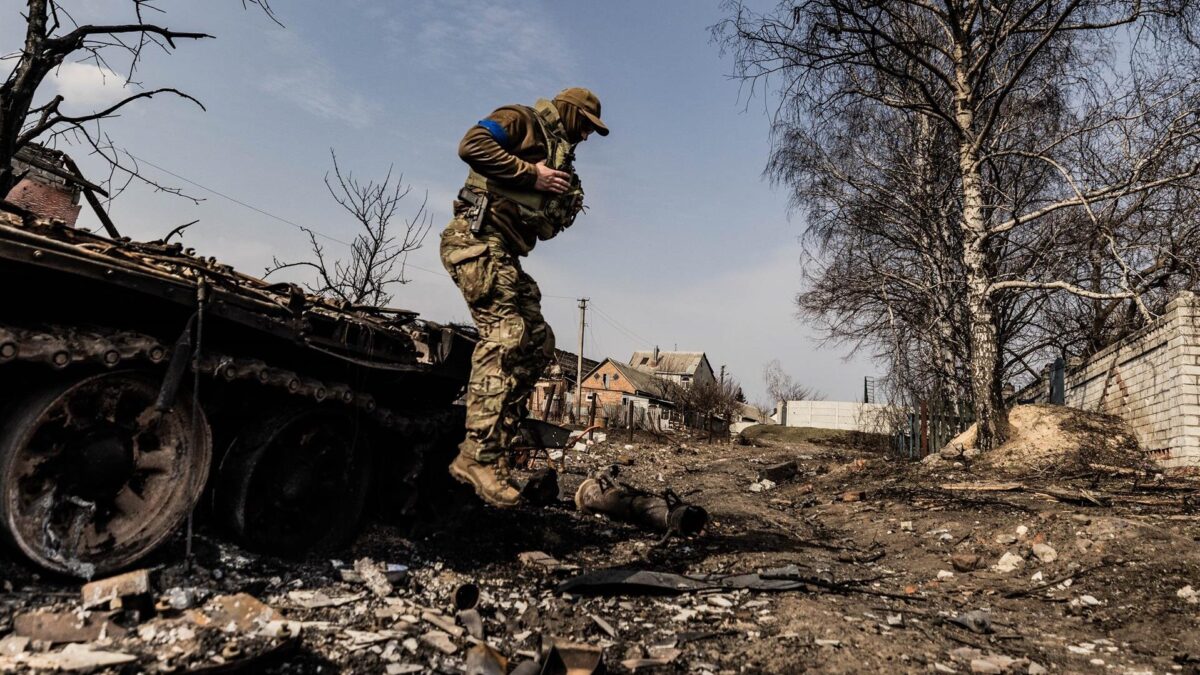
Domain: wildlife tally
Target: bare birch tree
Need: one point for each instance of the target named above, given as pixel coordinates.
(380, 247)
(781, 386)
(1056, 116)
(52, 37)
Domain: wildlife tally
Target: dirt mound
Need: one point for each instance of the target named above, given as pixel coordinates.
(1053, 439)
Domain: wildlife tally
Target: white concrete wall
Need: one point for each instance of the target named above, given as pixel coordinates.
(1152, 381)
(844, 415)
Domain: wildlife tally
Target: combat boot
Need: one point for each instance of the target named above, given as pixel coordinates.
(489, 480)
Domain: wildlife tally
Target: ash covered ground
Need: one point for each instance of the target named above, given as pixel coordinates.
(910, 567)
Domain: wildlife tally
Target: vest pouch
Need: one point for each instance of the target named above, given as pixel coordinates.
(472, 270)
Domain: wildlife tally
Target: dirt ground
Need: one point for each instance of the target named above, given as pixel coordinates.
(1097, 574)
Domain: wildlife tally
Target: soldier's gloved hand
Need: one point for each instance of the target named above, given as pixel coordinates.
(550, 180)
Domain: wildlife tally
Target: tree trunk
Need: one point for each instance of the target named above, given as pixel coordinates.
(16, 95)
(978, 259)
(977, 253)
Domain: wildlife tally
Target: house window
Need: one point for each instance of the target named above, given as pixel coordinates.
(590, 396)
(596, 376)
(616, 377)
(686, 378)
(645, 360)
(605, 379)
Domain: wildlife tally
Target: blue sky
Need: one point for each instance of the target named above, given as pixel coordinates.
(683, 243)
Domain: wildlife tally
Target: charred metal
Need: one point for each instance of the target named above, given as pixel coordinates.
(153, 367)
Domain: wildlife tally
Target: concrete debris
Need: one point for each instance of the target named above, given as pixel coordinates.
(1008, 562)
(1188, 594)
(655, 658)
(77, 657)
(545, 561)
(180, 599)
(906, 526)
(316, 599)
(105, 591)
(440, 641)
(443, 623)
(985, 667)
(854, 496)
(1045, 553)
(762, 485)
(13, 645)
(943, 575)
(604, 626)
(374, 576)
(992, 665)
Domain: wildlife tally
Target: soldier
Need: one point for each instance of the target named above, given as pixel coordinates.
(521, 188)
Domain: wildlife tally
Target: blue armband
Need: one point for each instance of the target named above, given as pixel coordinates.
(496, 131)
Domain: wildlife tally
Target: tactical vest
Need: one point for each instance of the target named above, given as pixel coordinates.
(548, 213)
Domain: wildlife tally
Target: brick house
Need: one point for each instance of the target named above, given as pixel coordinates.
(614, 385)
(45, 189)
(685, 368)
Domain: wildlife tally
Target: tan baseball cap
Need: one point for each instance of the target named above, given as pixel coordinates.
(588, 104)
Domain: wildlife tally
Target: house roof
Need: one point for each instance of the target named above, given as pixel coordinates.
(674, 363)
(643, 381)
(568, 362)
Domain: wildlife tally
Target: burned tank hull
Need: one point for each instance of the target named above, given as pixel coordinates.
(137, 378)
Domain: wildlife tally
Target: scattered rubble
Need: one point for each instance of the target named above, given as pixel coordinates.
(914, 579)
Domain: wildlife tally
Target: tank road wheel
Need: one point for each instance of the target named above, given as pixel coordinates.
(92, 478)
(295, 482)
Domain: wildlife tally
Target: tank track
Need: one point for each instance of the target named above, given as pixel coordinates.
(62, 347)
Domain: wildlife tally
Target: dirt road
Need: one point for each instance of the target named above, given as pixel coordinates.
(911, 570)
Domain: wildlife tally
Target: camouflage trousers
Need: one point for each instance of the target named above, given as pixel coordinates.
(515, 343)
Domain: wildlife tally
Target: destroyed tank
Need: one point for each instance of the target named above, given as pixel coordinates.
(140, 382)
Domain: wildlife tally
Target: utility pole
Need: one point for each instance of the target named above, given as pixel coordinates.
(722, 375)
(579, 364)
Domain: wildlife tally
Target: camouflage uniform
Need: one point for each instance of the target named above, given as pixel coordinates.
(515, 342)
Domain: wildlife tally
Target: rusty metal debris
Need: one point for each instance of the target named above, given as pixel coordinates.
(483, 660)
(665, 513)
(93, 479)
(118, 589)
(58, 627)
(572, 658)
